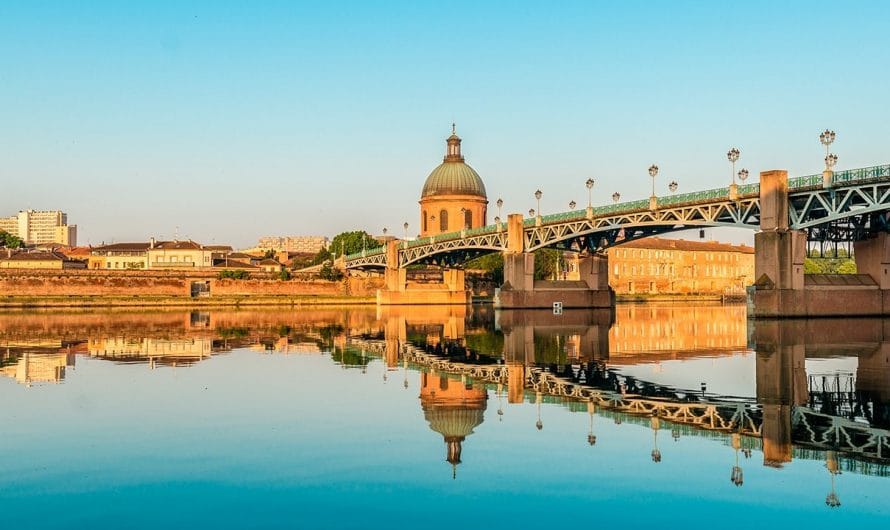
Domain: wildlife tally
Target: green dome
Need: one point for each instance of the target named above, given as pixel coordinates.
(453, 178)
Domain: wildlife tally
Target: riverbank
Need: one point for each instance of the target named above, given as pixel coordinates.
(656, 298)
(26, 302)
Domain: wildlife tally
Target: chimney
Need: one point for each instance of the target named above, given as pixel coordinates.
(151, 243)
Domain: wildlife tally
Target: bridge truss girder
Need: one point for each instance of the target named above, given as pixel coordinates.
(453, 249)
(601, 232)
(864, 205)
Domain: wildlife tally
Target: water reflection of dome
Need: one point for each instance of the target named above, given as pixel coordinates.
(453, 409)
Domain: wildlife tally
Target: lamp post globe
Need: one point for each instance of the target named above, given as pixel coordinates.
(673, 186)
(616, 197)
(572, 205)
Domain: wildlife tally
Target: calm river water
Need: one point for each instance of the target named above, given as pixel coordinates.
(442, 417)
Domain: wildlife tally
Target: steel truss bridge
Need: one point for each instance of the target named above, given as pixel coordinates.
(855, 205)
(810, 429)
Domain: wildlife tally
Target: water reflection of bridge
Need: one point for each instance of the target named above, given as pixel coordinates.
(572, 359)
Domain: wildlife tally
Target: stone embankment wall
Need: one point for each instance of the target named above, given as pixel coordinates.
(30, 283)
(97, 283)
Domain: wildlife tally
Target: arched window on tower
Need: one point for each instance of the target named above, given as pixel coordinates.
(443, 221)
(424, 221)
(468, 219)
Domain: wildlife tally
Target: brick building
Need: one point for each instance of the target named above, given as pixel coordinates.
(676, 266)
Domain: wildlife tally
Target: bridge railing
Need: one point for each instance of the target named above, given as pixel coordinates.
(366, 253)
(847, 176)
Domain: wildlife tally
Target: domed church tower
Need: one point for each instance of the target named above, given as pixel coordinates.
(453, 195)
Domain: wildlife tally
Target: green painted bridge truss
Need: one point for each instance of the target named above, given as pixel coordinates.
(855, 204)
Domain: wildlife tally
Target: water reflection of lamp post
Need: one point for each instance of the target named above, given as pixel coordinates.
(500, 402)
(737, 476)
(591, 409)
(405, 369)
(653, 201)
(538, 398)
(832, 500)
(655, 424)
(733, 156)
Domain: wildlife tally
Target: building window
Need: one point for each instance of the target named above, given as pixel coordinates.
(425, 228)
(443, 221)
(468, 219)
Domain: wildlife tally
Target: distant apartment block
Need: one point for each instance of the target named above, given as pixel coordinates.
(36, 227)
(302, 244)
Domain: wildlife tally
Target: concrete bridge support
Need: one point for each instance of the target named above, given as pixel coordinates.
(781, 289)
(521, 290)
(400, 291)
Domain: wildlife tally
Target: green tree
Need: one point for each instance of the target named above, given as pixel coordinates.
(329, 273)
(548, 262)
(321, 256)
(234, 275)
(492, 264)
(284, 275)
(352, 242)
(10, 241)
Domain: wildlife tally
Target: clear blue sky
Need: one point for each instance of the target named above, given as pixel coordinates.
(237, 120)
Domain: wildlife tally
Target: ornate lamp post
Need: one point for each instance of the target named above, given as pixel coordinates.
(616, 197)
(405, 226)
(497, 223)
(385, 230)
(538, 195)
(653, 201)
(673, 186)
(826, 138)
(572, 205)
(531, 212)
(743, 175)
(589, 184)
(733, 156)
(499, 204)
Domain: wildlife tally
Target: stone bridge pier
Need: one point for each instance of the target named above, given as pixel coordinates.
(781, 289)
(399, 290)
(521, 290)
